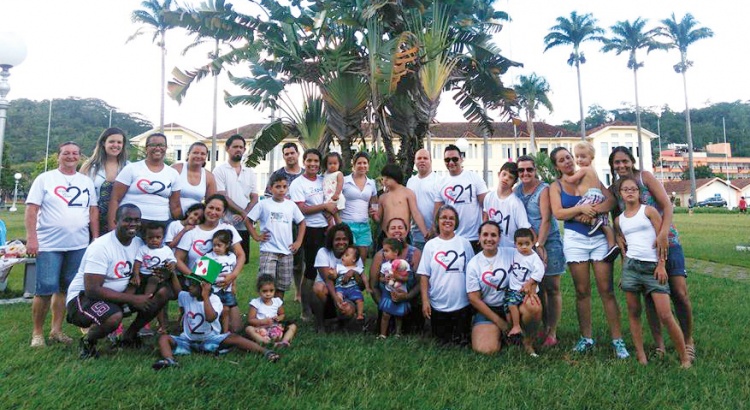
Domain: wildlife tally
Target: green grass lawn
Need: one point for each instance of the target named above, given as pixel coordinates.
(357, 371)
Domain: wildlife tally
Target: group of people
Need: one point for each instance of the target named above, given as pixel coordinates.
(482, 266)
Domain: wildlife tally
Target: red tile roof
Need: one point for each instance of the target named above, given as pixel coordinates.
(683, 186)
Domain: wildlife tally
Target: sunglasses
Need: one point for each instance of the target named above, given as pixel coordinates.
(529, 170)
(452, 159)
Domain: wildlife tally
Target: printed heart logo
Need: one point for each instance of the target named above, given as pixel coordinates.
(447, 260)
(495, 279)
(202, 247)
(67, 194)
(196, 320)
(150, 187)
(491, 213)
(151, 261)
(449, 192)
(440, 259)
(123, 269)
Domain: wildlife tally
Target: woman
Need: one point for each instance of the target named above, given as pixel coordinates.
(109, 158)
(150, 185)
(197, 242)
(622, 164)
(307, 191)
(535, 197)
(414, 320)
(486, 281)
(197, 183)
(443, 280)
(584, 252)
(360, 192)
(61, 216)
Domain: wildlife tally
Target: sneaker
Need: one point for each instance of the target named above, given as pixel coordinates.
(620, 350)
(38, 341)
(584, 345)
(164, 363)
(60, 337)
(596, 227)
(146, 331)
(612, 254)
(88, 349)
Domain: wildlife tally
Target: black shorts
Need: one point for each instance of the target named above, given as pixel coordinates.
(84, 312)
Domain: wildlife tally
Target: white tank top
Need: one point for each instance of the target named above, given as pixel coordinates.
(191, 194)
(640, 236)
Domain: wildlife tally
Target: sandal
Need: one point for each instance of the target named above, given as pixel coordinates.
(164, 363)
(382, 337)
(515, 339)
(271, 356)
(690, 350)
(60, 337)
(659, 353)
(281, 344)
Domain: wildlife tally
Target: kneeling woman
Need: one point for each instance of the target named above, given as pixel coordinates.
(442, 279)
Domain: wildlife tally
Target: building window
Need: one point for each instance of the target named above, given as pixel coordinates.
(608, 179)
(604, 148)
(178, 155)
(216, 156)
(177, 137)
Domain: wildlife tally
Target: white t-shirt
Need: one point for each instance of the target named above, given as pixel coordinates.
(197, 242)
(194, 324)
(266, 311)
(357, 201)
(173, 229)
(64, 201)
(525, 267)
(490, 276)
(310, 193)
(444, 262)
(426, 190)
(509, 213)
(149, 191)
(461, 192)
(228, 262)
(327, 259)
(153, 258)
(238, 188)
(276, 218)
(108, 257)
(342, 270)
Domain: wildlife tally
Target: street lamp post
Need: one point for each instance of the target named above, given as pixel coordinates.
(17, 176)
(12, 53)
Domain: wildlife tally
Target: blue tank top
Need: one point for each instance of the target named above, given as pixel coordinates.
(534, 212)
(569, 201)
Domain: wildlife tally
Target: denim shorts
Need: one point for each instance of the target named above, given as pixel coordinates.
(210, 345)
(583, 248)
(361, 232)
(638, 277)
(555, 257)
(227, 298)
(676, 261)
(480, 319)
(351, 293)
(55, 270)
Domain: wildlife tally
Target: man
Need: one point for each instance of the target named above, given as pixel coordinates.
(238, 184)
(465, 191)
(424, 185)
(291, 170)
(97, 295)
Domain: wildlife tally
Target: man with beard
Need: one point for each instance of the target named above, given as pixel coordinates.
(238, 184)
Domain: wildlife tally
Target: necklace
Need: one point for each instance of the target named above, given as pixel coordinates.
(491, 263)
(69, 181)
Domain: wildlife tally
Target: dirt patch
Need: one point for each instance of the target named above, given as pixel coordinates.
(718, 270)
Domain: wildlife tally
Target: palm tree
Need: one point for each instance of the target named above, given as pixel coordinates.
(531, 93)
(630, 37)
(153, 17)
(574, 31)
(680, 35)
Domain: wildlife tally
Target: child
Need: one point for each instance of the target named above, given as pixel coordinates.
(333, 183)
(504, 207)
(265, 320)
(587, 182)
(391, 249)
(221, 253)
(643, 271)
(349, 279)
(525, 274)
(154, 262)
(277, 218)
(398, 201)
(175, 230)
(201, 331)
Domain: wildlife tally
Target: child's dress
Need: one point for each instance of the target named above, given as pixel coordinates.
(387, 304)
(329, 188)
(276, 330)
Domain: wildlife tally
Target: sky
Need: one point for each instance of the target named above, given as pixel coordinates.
(77, 48)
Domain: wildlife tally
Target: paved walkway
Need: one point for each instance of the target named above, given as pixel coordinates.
(718, 270)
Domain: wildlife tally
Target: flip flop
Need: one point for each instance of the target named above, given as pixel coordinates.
(515, 339)
(271, 356)
(690, 350)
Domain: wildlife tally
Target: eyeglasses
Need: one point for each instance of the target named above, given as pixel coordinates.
(633, 189)
(528, 170)
(452, 159)
(156, 145)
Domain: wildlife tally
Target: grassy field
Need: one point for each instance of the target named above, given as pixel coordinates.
(357, 371)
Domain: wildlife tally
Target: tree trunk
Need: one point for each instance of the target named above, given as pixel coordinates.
(163, 82)
(638, 120)
(530, 129)
(691, 169)
(580, 98)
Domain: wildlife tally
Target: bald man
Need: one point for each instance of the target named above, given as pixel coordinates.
(424, 185)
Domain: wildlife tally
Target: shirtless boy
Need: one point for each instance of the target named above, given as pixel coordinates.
(397, 201)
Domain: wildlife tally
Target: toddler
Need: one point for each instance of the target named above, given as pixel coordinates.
(175, 230)
(525, 274)
(154, 264)
(587, 187)
(333, 183)
(265, 320)
(393, 276)
(349, 280)
(222, 242)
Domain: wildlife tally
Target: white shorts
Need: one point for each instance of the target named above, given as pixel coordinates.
(583, 248)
